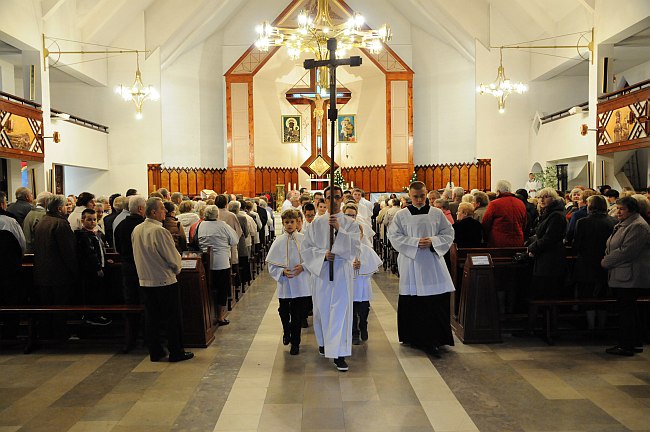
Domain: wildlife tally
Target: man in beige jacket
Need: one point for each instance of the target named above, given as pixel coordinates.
(158, 262)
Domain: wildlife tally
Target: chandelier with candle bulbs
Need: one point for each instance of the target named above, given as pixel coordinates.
(137, 92)
(312, 34)
(502, 87)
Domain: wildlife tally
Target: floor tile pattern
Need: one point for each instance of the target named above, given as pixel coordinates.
(247, 381)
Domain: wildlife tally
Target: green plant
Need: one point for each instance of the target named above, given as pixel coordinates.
(548, 177)
(338, 178)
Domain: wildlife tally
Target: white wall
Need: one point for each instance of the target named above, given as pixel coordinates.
(503, 137)
(443, 101)
(558, 93)
(79, 146)
(79, 180)
(194, 105)
(7, 80)
(132, 143)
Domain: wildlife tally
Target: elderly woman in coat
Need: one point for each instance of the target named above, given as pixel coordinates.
(547, 250)
(627, 260)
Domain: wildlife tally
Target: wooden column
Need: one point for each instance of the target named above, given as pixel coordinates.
(240, 176)
(399, 130)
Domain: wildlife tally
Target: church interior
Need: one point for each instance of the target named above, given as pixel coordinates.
(205, 96)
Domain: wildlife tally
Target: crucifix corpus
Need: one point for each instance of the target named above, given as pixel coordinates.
(332, 114)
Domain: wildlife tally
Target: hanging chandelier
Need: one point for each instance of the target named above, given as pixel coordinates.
(502, 87)
(312, 34)
(137, 92)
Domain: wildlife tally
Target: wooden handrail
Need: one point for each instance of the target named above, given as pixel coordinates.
(81, 121)
(561, 114)
(624, 90)
(14, 98)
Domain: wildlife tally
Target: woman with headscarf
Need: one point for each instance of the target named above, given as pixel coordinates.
(627, 260)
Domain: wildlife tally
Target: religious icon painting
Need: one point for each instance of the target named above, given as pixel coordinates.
(291, 128)
(347, 128)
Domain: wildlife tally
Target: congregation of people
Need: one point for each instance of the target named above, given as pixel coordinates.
(323, 260)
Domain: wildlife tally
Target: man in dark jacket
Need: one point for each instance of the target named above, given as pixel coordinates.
(116, 208)
(264, 217)
(55, 260)
(130, 283)
(589, 243)
(531, 212)
(505, 219)
(23, 204)
(581, 213)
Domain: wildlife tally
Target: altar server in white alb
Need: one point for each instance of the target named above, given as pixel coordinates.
(332, 300)
(294, 291)
(365, 265)
(422, 235)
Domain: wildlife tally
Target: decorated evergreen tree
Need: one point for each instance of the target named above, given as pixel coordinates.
(338, 178)
(414, 177)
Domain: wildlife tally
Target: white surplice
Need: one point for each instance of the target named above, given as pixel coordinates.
(370, 263)
(285, 254)
(332, 300)
(422, 271)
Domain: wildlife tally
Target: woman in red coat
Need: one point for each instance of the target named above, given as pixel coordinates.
(505, 219)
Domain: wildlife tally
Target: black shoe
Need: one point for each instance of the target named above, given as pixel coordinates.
(356, 340)
(223, 322)
(341, 365)
(157, 357)
(434, 351)
(321, 351)
(305, 324)
(617, 350)
(97, 321)
(295, 350)
(638, 349)
(181, 357)
(364, 334)
(286, 339)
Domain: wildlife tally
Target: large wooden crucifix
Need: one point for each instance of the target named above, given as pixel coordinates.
(313, 95)
(332, 114)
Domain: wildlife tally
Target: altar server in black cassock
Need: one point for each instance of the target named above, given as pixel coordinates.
(422, 235)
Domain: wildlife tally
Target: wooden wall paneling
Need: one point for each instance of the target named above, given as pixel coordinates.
(437, 178)
(183, 181)
(259, 181)
(191, 182)
(446, 175)
(200, 181)
(267, 186)
(164, 178)
(209, 180)
(464, 177)
(473, 177)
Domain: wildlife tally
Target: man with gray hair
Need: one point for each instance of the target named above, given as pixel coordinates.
(158, 262)
(32, 219)
(123, 214)
(505, 219)
(23, 204)
(457, 198)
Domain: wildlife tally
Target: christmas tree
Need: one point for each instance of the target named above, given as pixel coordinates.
(338, 178)
(414, 177)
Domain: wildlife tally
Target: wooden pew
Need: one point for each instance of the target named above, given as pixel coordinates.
(195, 298)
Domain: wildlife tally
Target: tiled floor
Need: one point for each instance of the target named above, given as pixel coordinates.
(247, 381)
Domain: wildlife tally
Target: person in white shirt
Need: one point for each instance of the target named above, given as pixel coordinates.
(293, 285)
(332, 299)
(359, 196)
(532, 185)
(218, 234)
(84, 200)
(422, 235)
(365, 265)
